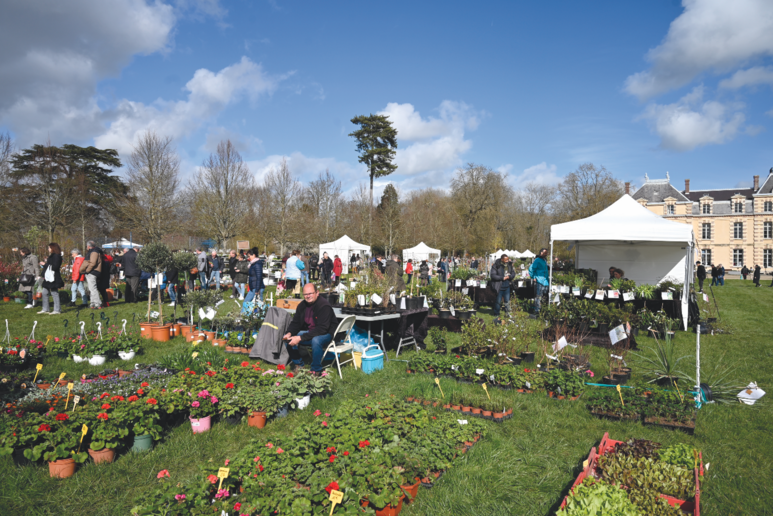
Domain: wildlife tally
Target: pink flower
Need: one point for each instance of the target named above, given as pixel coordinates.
(227, 461)
(195, 404)
(324, 374)
(324, 423)
(56, 339)
(223, 493)
(279, 450)
(367, 395)
(327, 415)
(237, 506)
(269, 445)
(256, 459)
(163, 473)
(203, 394)
(213, 399)
(179, 497)
(589, 373)
(317, 412)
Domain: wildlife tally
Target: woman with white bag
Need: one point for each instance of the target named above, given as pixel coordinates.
(52, 278)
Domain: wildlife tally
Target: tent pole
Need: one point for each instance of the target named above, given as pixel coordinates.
(550, 276)
(688, 269)
(698, 363)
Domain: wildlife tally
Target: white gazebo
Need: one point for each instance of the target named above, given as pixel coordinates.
(528, 254)
(121, 244)
(344, 247)
(626, 235)
(421, 252)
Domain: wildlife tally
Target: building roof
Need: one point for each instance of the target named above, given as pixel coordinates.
(767, 185)
(658, 190)
(721, 195)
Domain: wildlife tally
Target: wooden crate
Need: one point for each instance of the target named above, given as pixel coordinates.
(288, 304)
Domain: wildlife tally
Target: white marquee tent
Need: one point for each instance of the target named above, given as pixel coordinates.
(528, 254)
(121, 244)
(626, 235)
(344, 247)
(421, 252)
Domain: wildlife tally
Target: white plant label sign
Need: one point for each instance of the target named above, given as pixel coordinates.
(361, 299)
(667, 296)
(600, 295)
(480, 371)
(402, 303)
(589, 294)
(453, 312)
(576, 291)
(613, 294)
(628, 296)
(376, 299)
(458, 283)
(482, 284)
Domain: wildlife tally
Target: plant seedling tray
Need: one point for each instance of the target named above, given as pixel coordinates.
(607, 445)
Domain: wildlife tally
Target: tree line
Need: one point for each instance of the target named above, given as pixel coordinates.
(71, 194)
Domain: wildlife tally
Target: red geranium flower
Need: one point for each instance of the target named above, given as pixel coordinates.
(140, 392)
(245, 364)
(104, 395)
(152, 401)
(332, 486)
(210, 373)
(144, 384)
(260, 467)
(229, 385)
(290, 375)
(44, 428)
(116, 398)
(331, 449)
(346, 454)
(102, 415)
(105, 406)
(237, 506)
(212, 479)
(62, 417)
(280, 367)
(133, 398)
(192, 372)
(332, 459)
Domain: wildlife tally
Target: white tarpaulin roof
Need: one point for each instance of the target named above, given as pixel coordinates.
(628, 236)
(497, 255)
(421, 252)
(344, 247)
(121, 244)
(527, 254)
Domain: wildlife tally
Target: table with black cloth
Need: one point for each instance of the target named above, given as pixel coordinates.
(412, 323)
(487, 296)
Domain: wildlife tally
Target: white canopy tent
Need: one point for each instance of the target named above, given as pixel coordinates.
(528, 254)
(494, 257)
(344, 247)
(121, 244)
(421, 252)
(626, 235)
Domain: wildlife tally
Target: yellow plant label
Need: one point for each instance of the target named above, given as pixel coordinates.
(61, 376)
(39, 367)
(437, 381)
(222, 473)
(620, 392)
(70, 386)
(195, 354)
(84, 431)
(336, 497)
(486, 389)
(585, 464)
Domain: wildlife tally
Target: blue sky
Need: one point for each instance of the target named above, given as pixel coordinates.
(531, 88)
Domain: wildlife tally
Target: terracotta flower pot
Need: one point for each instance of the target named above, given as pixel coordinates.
(257, 419)
(177, 328)
(486, 413)
(161, 333)
(185, 329)
(210, 335)
(466, 409)
(43, 386)
(6, 299)
(499, 415)
(456, 407)
(412, 490)
(110, 294)
(219, 342)
(103, 455)
(62, 468)
(229, 349)
(122, 373)
(476, 410)
(39, 295)
(146, 329)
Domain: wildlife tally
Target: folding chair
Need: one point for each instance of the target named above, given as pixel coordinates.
(344, 345)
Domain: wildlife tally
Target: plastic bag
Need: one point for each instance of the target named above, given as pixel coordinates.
(360, 339)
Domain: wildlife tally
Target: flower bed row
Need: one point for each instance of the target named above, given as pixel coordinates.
(132, 411)
(375, 451)
(467, 408)
(637, 477)
(667, 408)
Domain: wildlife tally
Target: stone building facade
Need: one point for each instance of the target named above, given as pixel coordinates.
(733, 226)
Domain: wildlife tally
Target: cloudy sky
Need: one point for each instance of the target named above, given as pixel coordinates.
(530, 88)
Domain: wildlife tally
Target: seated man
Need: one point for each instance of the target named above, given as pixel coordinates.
(313, 324)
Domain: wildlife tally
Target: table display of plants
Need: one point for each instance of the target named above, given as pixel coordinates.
(637, 477)
(376, 451)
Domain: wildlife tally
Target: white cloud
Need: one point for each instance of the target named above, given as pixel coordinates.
(54, 54)
(541, 174)
(710, 35)
(750, 77)
(245, 144)
(437, 143)
(305, 168)
(691, 123)
(209, 93)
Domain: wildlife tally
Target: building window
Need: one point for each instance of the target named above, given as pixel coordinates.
(706, 256)
(738, 207)
(767, 258)
(737, 257)
(768, 206)
(767, 230)
(706, 208)
(706, 231)
(738, 230)
(670, 209)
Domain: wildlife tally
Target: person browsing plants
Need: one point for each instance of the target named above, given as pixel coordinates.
(539, 272)
(313, 324)
(502, 274)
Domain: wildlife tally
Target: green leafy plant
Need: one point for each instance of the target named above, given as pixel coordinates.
(662, 360)
(597, 498)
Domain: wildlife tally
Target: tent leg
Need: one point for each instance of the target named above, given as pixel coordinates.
(550, 276)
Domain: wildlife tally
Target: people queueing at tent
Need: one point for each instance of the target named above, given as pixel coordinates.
(538, 271)
(313, 325)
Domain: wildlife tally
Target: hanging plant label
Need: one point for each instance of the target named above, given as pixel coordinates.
(458, 283)
(376, 299)
(465, 290)
(480, 371)
(628, 296)
(361, 299)
(462, 421)
(589, 294)
(482, 284)
(576, 291)
(613, 294)
(520, 284)
(667, 296)
(600, 295)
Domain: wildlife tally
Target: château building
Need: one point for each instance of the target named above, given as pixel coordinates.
(733, 226)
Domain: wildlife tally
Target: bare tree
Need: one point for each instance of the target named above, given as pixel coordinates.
(587, 191)
(220, 194)
(151, 207)
(389, 214)
(285, 192)
(325, 193)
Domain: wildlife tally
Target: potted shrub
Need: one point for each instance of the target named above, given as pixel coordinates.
(143, 415)
(661, 362)
(107, 432)
(202, 408)
(260, 405)
(20, 297)
(59, 346)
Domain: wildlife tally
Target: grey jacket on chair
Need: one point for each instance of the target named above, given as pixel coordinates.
(269, 345)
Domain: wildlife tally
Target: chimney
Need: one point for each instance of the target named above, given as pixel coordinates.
(628, 188)
(686, 186)
(756, 183)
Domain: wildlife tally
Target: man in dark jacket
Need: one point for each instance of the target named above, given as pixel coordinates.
(215, 266)
(325, 269)
(131, 274)
(313, 324)
(756, 276)
(255, 276)
(700, 271)
(745, 272)
(394, 272)
(502, 274)
(442, 270)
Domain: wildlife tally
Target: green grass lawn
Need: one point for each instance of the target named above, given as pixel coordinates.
(523, 466)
